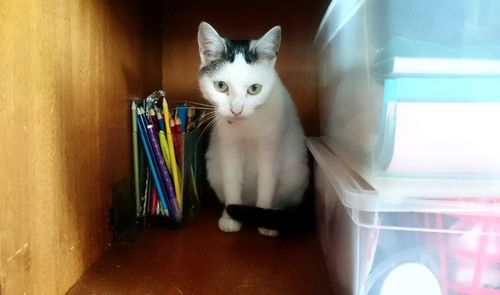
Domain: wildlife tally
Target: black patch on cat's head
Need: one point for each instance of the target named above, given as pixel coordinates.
(232, 48)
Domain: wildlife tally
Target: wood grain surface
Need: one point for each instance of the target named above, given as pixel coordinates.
(67, 69)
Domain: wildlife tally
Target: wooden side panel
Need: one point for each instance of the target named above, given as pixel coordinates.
(243, 20)
(66, 71)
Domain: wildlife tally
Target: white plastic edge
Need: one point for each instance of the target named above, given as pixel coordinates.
(352, 195)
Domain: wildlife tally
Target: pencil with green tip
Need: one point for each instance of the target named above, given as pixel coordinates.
(135, 151)
(170, 141)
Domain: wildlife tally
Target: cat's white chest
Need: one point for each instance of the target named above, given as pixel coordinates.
(259, 129)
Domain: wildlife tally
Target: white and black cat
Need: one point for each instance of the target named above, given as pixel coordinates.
(256, 155)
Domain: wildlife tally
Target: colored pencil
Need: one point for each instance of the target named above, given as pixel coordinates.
(135, 151)
(145, 201)
(154, 201)
(190, 115)
(176, 136)
(160, 120)
(164, 150)
(182, 111)
(153, 120)
(175, 171)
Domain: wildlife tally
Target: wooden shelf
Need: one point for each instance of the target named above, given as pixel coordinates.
(199, 259)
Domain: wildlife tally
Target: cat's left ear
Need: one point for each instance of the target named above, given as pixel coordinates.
(268, 45)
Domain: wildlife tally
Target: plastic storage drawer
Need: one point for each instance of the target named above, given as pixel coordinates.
(375, 244)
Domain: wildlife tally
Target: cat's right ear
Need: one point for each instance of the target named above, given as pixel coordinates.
(211, 45)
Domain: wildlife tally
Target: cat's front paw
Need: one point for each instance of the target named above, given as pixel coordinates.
(229, 225)
(268, 232)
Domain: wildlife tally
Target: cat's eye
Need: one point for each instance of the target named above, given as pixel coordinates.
(254, 89)
(220, 86)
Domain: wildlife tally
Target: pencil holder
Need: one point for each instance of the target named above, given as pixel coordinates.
(167, 159)
(191, 173)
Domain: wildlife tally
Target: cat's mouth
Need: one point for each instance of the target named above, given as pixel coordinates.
(233, 119)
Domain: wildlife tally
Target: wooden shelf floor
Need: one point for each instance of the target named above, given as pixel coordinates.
(199, 259)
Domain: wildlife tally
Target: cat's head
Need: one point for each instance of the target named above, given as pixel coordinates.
(237, 76)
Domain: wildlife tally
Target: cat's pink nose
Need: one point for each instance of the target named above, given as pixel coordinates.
(237, 112)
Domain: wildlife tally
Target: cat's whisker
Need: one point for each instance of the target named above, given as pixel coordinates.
(195, 103)
(206, 118)
(210, 125)
(204, 105)
(202, 108)
(213, 122)
(207, 122)
(207, 113)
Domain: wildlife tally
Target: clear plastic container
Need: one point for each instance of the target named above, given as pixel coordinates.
(410, 245)
(409, 91)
